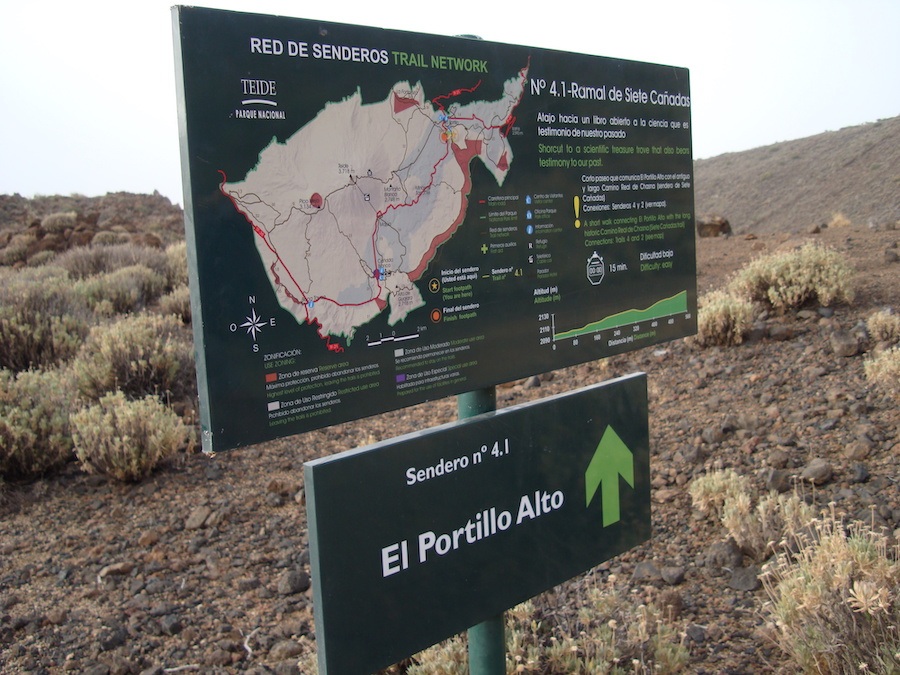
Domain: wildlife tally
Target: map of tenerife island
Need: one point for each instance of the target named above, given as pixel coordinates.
(349, 211)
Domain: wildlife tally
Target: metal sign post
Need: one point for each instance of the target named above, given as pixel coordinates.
(487, 640)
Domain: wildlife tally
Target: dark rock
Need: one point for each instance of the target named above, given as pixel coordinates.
(171, 625)
(745, 579)
(778, 480)
(197, 518)
(844, 344)
(860, 474)
(112, 637)
(292, 582)
(672, 574)
(818, 472)
(696, 633)
(646, 571)
(724, 555)
(286, 649)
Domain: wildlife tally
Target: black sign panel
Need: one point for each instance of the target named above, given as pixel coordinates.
(418, 538)
(377, 218)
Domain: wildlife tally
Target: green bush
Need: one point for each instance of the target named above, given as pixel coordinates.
(124, 290)
(127, 439)
(140, 355)
(42, 320)
(723, 319)
(791, 279)
(35, 434)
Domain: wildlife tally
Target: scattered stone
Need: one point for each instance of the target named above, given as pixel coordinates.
(116, 569)
(286, 649)
(532, 382)
(672, 574)
(745, 578)
(696, 633)
(112, 637)
(780, 333)
(646, 571)
(724, 555)
(818, 472)
(712, 435)
(860, 473)
(858, 450)
(197, 518)
(171, 624)
(779, 458)
(148, 538)
(292, 582)
(57, 616)
(778, 480)
(844, 344)
(890, 256)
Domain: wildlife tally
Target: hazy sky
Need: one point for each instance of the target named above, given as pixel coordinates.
(88, 93)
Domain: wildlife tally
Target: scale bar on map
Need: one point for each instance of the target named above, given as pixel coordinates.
(676, 304)
(392, 338)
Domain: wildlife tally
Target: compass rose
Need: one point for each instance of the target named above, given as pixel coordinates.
(254, 324)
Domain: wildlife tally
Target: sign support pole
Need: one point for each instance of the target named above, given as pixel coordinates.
(487, 640)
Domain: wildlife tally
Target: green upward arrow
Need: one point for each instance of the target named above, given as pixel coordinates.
(611, 459)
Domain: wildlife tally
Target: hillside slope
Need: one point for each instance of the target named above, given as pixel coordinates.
(787, 187)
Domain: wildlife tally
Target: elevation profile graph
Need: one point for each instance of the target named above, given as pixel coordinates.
(664, 309)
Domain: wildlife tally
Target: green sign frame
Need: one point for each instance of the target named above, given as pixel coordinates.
(378, 218)
(415, 539)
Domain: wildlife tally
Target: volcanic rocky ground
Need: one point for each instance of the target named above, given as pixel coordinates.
(204, 566)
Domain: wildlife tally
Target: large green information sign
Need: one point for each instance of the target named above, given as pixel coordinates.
(417, 538)
(378, 218)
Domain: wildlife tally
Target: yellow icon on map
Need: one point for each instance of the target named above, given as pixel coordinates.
(577, 202)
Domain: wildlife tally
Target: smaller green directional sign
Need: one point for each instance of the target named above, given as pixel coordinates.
(436, 531)
(611, 460)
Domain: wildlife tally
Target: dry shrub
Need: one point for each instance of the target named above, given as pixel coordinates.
(709, 493)
(88, 261)
(177, 302)
(138, 355)
(124, 290)
(884, 326)
(35, 435)
(792, 279)
(127, 439)
(42, 320)
(723, 319)
(41, 258)
(758, 529)
(835, 601)
(883, 370)
(177, 264)
(57, 223)
(611, 634)
(111, 238)
(839, 220)
(16, 250)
